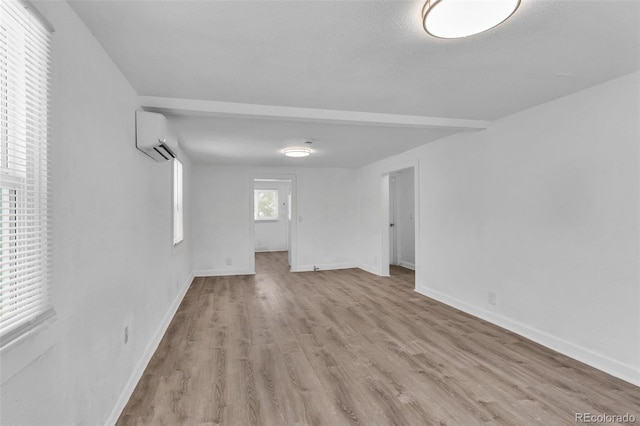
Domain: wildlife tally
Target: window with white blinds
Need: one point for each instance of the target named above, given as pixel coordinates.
(25, 238)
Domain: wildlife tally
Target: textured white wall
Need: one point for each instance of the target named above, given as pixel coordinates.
(221, 213)
(541, 209)
(113, 260)
(327, 205)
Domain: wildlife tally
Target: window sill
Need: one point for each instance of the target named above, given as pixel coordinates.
(266, 220)
(24, 350)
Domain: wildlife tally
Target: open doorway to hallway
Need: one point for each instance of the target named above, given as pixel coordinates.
(402, 229)
(272, 213)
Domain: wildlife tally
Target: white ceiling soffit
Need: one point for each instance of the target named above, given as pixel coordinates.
(200, 107)
(354, 63)
(260, 142)
(229, 133)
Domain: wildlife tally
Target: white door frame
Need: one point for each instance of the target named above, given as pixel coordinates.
(293, 223)
(384, 224)
(394, 254)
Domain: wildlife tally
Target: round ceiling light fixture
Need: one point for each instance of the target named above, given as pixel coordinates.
(462, 18)
(296, 151)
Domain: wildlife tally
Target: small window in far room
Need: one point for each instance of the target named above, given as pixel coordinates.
(178, 214)
(265, 204)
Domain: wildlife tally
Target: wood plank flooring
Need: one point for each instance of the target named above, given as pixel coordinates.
(349, 348)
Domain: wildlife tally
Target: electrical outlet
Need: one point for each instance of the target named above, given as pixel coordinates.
(491, 298)
(228, 261)
(126, 335)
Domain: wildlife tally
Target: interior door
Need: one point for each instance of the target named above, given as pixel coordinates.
(289, 220)
(393, 228)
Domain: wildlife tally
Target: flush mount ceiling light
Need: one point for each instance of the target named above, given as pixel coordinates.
(462, 18)
(296, 151)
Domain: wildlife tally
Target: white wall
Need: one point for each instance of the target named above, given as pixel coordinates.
(405, 220)
(112, 254)
(273, 235)
(542, 209)
(327, 208)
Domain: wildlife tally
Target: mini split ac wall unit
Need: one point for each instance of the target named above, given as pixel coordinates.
(152, 136)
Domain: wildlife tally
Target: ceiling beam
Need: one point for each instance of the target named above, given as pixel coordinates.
(201, 107)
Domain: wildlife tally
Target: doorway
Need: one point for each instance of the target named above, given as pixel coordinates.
(272, 207)
(393, 219)
(399, 224)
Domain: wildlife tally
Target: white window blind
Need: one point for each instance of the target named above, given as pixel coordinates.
(25, 239)
(178, 216)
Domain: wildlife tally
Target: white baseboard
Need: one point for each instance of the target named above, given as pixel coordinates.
(601, 362)
(266, 250)
(222, 272)
(150, 349)
(370, 269)
(407, 265)
(324, 267)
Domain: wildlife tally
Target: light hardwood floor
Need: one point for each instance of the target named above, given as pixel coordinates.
(347, 347)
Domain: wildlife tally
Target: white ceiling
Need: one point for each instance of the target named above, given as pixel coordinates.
(363, 56)
(259, 142)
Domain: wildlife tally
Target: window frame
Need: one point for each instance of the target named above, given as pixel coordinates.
(276, 216)
(25, 190)
(177, 201)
